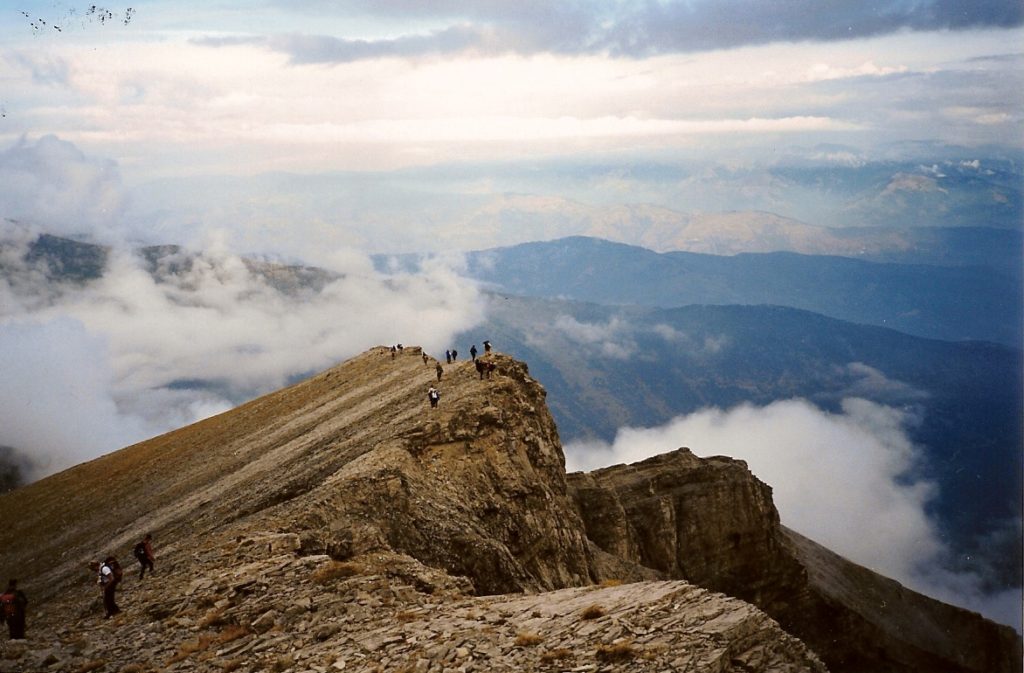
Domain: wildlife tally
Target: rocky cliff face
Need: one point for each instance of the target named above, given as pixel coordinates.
(711, 522)
(344, 524)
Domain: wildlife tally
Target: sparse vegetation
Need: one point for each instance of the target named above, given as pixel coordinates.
(616, 652)
(557, 654)
(190, 647)
(283, 663)
(528, 639)
(232, 665)
(592, 612)
(336, 570)
(93, 665)
(134, 668)
(214, 617)
(406, 616)
(232, 632)
(611, 582)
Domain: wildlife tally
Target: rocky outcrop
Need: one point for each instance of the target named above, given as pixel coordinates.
(710, 521)
(253, 604)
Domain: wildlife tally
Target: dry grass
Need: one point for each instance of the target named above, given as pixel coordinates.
(528, 639)
(558, 654)
(593, 612)
(190, 647)
(134, 668)
(232, 665)
(616, 652)
(232, 632)
(336, 570)
(283, 663)
(93, 665)
(406, 616)
(214, 617)
(611, 583)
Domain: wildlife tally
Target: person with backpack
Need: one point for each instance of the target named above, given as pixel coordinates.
(144, 555)
(472, 352)
(109, 577)
(433, 395)
(13, 605)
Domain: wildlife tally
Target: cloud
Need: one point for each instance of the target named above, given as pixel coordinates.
(310, 49)
(51, 182)
(92, 367)
(612, 339)
(641, 29)
(848, 480)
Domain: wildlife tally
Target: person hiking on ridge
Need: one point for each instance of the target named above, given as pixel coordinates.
(144, 555)
(433, 395)
(109, 577)
(472, 352)
(481, 367)
(13, 604)
(440, 370)
(447, 357)
(487, 346)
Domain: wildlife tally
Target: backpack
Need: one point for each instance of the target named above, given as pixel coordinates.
(10, 605)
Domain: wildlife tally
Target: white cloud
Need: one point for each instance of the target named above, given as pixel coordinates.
(89, 369)
(844, 479)
(612, 339)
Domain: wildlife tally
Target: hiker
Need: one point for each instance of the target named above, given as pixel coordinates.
(481, 366)
(487, 346)
(433, 395)
(393, 351)
(472, 352)
(448, 357)
(455, 355)
(440, 370)
(425, 358)
(13, 603)
(490, 368)
(109, 577)
(144, 554)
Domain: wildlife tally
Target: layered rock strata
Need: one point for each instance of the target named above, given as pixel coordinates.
(711, 522)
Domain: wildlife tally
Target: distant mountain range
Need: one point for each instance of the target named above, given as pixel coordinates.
(940, 302)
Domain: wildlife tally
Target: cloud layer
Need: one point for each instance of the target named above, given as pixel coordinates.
(846, 480)
(630, 29)
(93, 364)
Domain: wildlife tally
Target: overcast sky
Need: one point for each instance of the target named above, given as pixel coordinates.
(192, 89)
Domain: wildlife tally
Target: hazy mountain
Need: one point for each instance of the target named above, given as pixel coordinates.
(663, 229)
(942, 302)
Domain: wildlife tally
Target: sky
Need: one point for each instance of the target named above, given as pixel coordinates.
(322, 131)
(232, 115)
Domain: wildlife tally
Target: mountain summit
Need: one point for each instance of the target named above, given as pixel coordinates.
(344, 524)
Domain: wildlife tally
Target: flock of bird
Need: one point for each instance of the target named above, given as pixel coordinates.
(90, 14)
(72, 17)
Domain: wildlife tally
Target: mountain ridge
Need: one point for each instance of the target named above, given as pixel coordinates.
(353, 467)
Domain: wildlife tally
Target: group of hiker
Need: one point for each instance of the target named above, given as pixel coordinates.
(483, 367)
(109, 573)
(14, 602)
